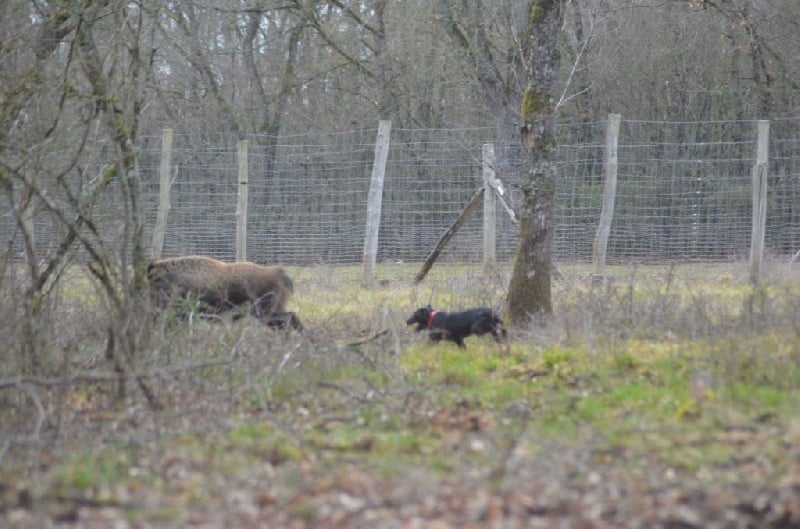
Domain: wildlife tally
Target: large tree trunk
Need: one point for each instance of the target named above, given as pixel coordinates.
(529, 292)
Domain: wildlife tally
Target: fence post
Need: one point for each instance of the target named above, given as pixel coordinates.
(609, 195)
(759, 201)
(374, 201)
(241, 204)
(489, 210)
(165, 171)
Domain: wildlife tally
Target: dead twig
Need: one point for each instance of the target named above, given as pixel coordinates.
(20, 382)
(382, 332)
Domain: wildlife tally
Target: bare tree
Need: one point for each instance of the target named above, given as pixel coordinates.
(92, 114)
(491, 35)
(747, 37)
(23, 76)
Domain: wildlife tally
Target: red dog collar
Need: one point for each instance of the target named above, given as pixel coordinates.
(430, 319)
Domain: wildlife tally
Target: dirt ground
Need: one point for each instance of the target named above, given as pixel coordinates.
(181, 468)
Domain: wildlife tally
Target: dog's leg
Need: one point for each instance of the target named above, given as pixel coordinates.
(493, 327)
(501, 337)
(498, 324)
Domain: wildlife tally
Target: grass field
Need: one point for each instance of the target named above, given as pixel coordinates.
(665, 397)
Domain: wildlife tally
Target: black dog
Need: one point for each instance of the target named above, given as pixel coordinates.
(456, 326)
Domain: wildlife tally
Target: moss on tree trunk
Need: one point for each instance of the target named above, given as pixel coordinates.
(529, 291)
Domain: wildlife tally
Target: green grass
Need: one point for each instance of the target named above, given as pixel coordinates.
(683, 366)
(94, 474)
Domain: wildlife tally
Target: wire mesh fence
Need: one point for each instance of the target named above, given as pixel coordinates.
(684, 192)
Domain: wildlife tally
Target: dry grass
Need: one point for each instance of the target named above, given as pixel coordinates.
(671, 387)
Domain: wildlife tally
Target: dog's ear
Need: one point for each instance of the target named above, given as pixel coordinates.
(429, 307)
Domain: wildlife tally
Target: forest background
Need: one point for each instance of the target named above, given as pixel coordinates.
(87, 88)
(306, 74)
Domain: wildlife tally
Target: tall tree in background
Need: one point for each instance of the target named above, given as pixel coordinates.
(486, 33)
(766, 64)
(529, 292)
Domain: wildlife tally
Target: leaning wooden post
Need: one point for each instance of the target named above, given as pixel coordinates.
(374, 200)
(26, 217)
(241, 204)
(489, 210)
(165, 171)
(759, 201)
(609, 195)
(448, 234)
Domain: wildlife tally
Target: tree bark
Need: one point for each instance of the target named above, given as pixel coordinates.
(529, 291)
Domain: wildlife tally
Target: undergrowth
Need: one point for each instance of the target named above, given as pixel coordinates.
(667, 364)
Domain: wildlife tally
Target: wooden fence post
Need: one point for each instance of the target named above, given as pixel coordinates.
(609, 195)
(165, 172)
(241, 204)
(760, 170)
(374, 201)
(489, 210)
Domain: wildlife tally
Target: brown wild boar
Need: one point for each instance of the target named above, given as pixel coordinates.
(219, 287)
